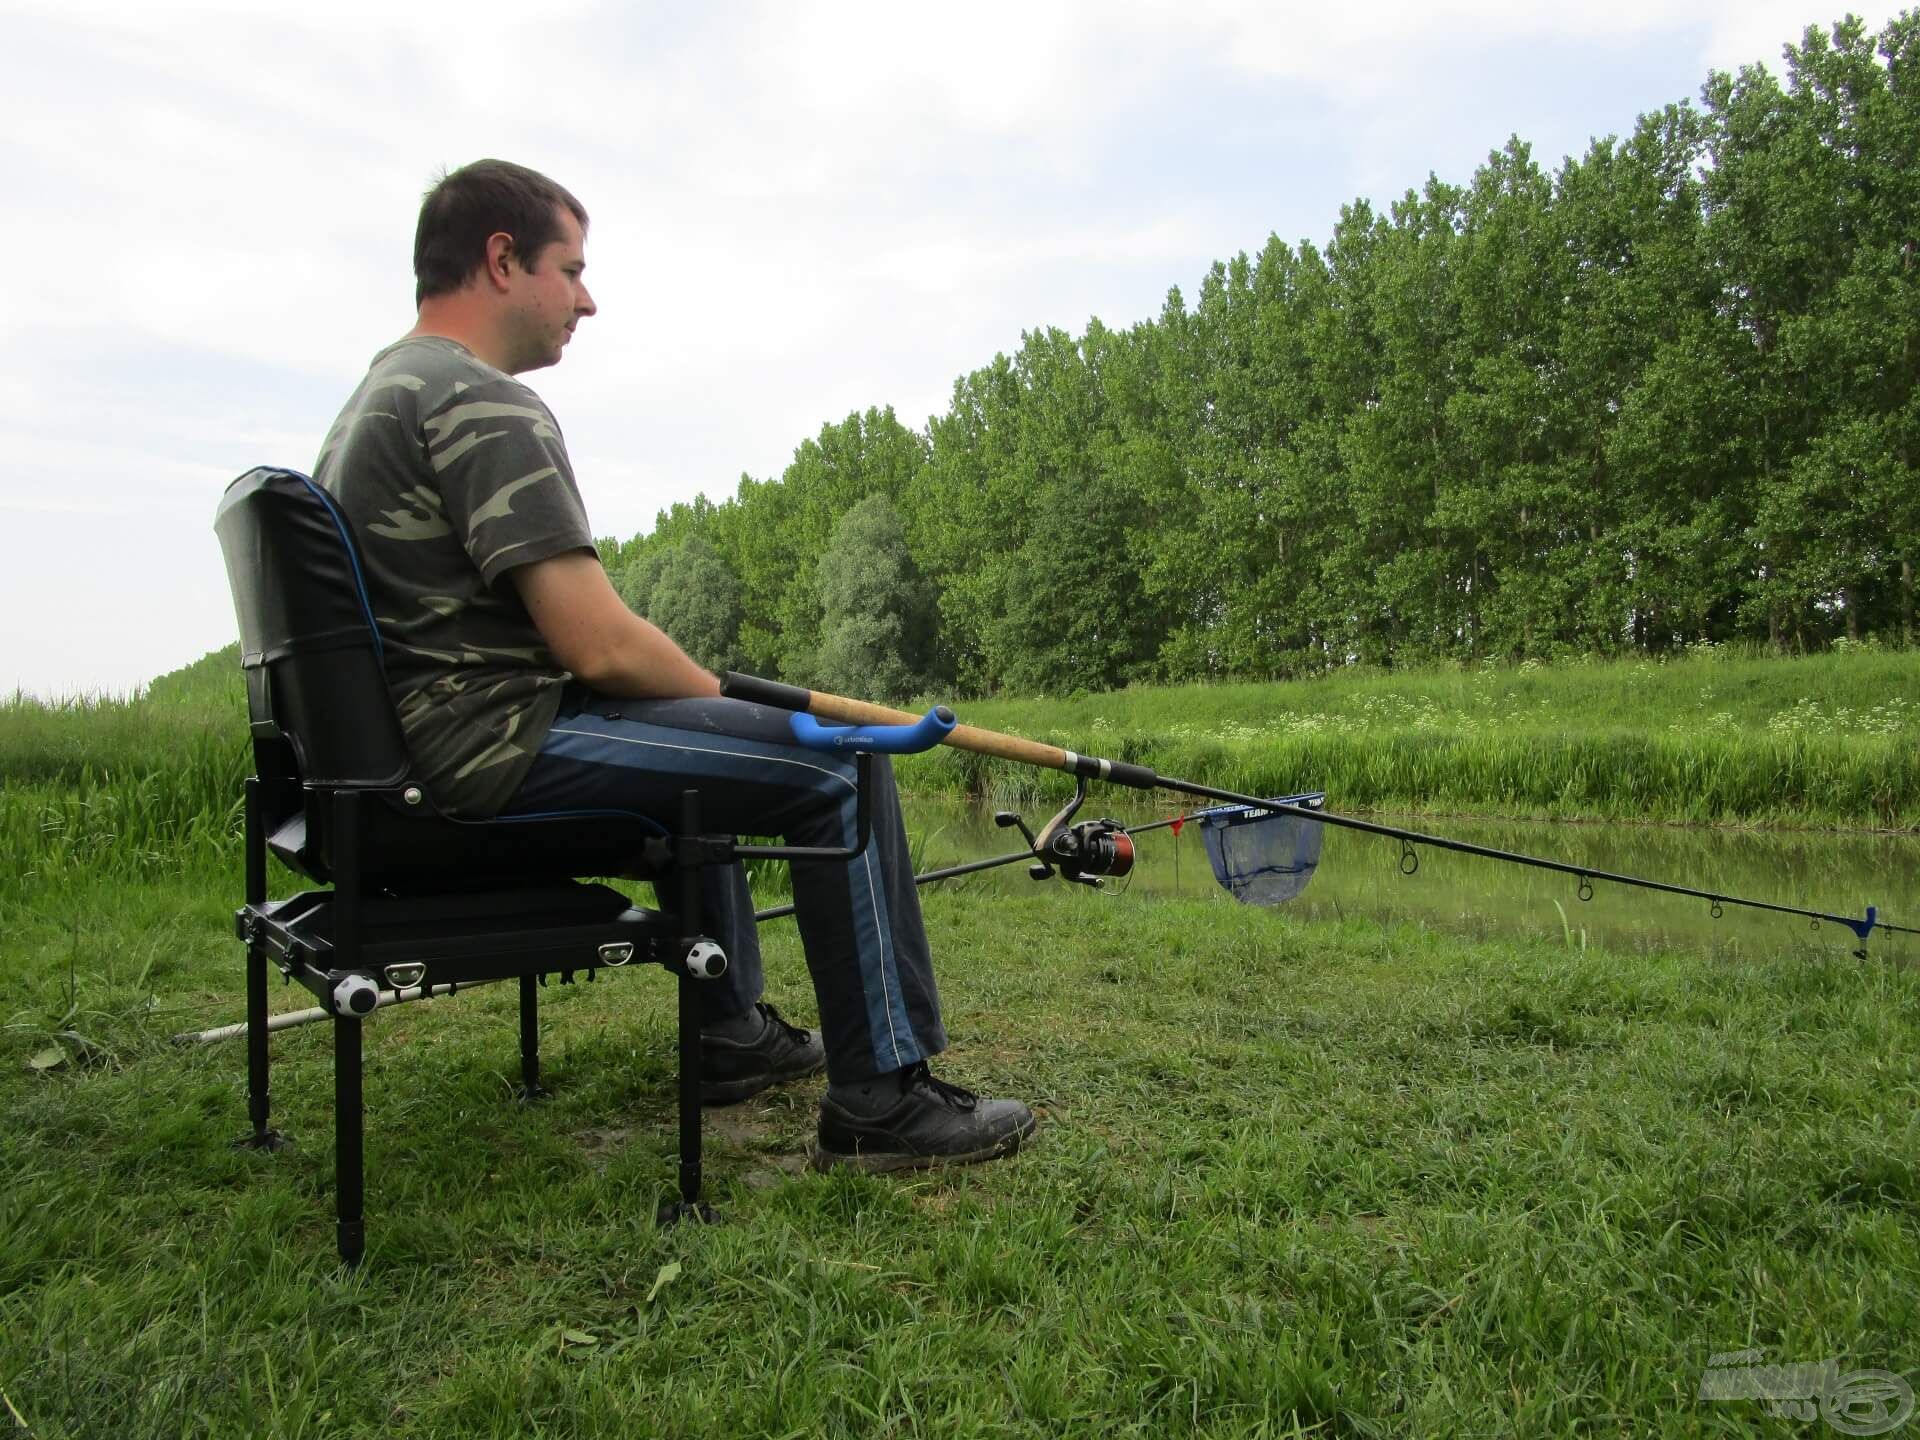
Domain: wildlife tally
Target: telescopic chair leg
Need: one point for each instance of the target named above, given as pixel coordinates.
(348, 1141)
(689, 1206)
(260, 1137)
(530, 1087)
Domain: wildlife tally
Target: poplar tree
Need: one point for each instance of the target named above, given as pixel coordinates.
(695, 598)
(877, 613)
(1663, 393)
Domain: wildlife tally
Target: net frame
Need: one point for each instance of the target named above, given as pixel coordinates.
(1262, 856)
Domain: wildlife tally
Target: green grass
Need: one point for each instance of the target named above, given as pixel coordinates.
(126, 784)
(1337, 1178)
(1291, 1179)
(1753, 690)
(1831, 740)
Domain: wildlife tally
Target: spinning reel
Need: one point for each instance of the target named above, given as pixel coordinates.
(1082, 853)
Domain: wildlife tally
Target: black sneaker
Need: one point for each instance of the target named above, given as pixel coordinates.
(933, 1123)
(731, 1070)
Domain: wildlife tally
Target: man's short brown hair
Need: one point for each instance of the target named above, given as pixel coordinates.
(488, 197)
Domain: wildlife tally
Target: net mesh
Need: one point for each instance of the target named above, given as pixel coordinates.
(1263, 857)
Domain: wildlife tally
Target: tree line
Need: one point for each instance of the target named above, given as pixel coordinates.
(1663, 394)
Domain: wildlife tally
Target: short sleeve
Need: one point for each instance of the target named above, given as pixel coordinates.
(503, 471)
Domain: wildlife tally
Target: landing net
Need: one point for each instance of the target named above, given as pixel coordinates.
(1263, 857)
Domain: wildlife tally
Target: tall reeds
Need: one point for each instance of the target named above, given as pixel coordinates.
(1830, 740)
(128, 786)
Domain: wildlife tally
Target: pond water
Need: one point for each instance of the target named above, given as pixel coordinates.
(1359, 874)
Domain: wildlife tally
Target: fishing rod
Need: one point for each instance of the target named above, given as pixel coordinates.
(1057, 841)
(1263, 871)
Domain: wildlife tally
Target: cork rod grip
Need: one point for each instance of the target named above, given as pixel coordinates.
(963, 737)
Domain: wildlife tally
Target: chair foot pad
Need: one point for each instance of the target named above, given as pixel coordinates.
(699, 1212)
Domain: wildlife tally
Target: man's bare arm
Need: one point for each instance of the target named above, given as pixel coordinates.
(592, 633)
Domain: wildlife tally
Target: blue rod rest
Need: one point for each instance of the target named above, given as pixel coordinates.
(1864, 928)
(925, 733)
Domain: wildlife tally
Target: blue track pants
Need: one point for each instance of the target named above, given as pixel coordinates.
(859, 920)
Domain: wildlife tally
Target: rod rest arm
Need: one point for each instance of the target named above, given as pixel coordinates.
(693, 850)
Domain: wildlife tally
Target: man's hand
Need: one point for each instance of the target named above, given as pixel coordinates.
(592, 633)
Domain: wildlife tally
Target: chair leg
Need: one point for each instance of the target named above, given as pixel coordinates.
(690, 1159)
(530, 1086)
(348, 1141)
(260, 1137)
(689, 1206)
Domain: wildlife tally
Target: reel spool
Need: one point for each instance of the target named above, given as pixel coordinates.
(1104, 849)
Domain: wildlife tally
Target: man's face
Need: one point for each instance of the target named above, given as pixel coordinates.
(547, 299)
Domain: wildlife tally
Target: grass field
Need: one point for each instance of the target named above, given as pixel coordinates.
(1824, 741)
(1292, 1179)
(1334, 1178)
(1708, 738)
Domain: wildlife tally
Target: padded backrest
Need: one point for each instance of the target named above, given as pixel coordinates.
(317, 693)
(322, 716)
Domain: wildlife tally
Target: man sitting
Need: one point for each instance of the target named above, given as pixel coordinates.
(524, 684)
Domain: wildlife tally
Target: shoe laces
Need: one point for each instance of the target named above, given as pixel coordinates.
(917, 1074)
(774, 1017)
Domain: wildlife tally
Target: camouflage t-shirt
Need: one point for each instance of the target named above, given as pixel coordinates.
(451, 473)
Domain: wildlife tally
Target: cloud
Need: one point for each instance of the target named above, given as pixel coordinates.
(799, 211)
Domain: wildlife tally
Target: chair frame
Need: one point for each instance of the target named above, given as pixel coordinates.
(400, 903)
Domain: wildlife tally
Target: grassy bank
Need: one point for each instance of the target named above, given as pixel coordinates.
(129, 785)
(1326, 1179)
(1715, 738)
(1825, 741)
(1294, 1178)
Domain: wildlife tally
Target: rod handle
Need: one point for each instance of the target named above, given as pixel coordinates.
(843, 711)
(756, 691)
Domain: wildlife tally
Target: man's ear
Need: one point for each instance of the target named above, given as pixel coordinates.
(501, 260)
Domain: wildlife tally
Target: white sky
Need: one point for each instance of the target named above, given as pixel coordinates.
(799, 210)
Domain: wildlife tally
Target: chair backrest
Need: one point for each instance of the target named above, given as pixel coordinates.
(323, 720)
(308, 643)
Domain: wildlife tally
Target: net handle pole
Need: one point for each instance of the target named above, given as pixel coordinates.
(293, 1019)
(970, 867)
(1513, 857)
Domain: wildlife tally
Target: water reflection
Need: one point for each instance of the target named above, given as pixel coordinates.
(1360, 875)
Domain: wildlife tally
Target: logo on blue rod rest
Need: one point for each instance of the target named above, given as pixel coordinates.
(925, 733)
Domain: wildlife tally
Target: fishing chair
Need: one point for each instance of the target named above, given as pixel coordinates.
(412, 899)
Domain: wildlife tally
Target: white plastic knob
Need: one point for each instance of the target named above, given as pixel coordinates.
(356, 995)
(706, 960)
